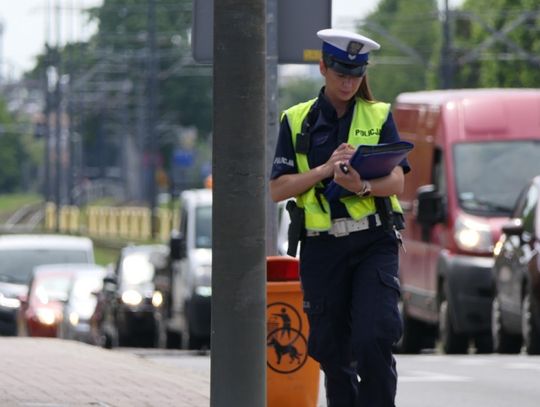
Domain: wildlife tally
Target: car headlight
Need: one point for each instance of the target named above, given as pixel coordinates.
(157, 299)
(498, 246)
(132, 297)
(472, 235)
(203, 291)
(203, 281)
(73, 318)
(46, 316)
(9, 302)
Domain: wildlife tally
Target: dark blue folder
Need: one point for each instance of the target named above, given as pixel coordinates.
(372, 161)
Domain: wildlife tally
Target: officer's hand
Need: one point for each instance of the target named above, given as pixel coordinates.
(347, 177)
(341, 154)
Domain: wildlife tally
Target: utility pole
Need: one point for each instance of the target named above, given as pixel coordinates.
(238, 333)
(152, 136)
(58, 140)
(447, 58)
(272, 119)
(47, 126)
(58, 121)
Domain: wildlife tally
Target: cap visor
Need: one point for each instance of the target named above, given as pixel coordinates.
(347, 69)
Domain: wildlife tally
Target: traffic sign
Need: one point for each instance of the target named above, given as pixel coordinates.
(297, 24)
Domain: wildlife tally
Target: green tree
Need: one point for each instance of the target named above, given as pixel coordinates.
(498, 44)
(185, 90)
(13, 152)
(409, 34)
(108, 79)
(297, 90)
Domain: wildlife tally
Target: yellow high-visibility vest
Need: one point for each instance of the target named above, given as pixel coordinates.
(366, 124)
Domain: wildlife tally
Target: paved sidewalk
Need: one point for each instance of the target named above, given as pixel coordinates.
(40, 372)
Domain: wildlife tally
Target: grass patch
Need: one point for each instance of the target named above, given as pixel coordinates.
(12, 202)
(105, 255)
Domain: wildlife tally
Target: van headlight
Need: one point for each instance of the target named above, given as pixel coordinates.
(472, 235)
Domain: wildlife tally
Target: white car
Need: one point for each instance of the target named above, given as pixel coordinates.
(80, 305)
(19, 254)
(191, 282)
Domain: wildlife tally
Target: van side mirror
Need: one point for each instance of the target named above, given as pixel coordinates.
(110, 283)
(177, 246)
(429, 205)
(513, 228)
(109, 279)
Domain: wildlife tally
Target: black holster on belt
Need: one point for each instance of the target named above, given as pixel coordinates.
(297, 229)
(389, 219)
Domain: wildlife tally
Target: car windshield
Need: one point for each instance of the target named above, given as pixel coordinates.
(203, 227)
(137, 269)
(490, 175)
(16, 265)
(50, 288)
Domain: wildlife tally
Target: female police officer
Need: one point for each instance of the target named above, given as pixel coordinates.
(348, 261)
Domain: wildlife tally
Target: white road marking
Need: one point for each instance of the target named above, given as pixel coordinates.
(473, 361)
(422, 376)
(523, 366)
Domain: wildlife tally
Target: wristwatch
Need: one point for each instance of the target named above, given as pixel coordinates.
(366, 189)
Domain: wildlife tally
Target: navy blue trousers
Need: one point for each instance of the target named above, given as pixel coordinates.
(351, 291)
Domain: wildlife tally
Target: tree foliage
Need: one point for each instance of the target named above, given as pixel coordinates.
(13, 153)
(409, 34)
(298, 90)
(498, 44)
(185, 90)
(109, 83)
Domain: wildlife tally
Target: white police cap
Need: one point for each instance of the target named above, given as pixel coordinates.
(345, 51)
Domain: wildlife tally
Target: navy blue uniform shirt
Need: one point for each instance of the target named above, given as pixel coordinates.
(326, 134)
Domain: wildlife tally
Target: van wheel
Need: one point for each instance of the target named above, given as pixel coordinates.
(159, 338)
(414, 334)
(503, 342)
(452, 342)
(483, 343)
(109, 341)
(173, 340)
(529, 325)
(195, 342)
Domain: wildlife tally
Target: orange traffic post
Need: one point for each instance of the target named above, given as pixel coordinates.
(292, 376)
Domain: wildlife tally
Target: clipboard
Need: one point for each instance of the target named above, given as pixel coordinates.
(372, 161)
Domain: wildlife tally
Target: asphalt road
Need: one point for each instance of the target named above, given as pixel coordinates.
(430, 380)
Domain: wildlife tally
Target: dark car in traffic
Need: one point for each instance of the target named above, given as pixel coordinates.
(128, 312)
(516, 272)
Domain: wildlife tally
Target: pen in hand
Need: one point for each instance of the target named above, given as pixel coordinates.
(344, 168)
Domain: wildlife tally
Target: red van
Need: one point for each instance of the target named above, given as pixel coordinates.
(474, 151)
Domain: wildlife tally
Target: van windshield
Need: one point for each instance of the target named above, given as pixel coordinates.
(17, 265)
(490, 175)
(203, 227)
